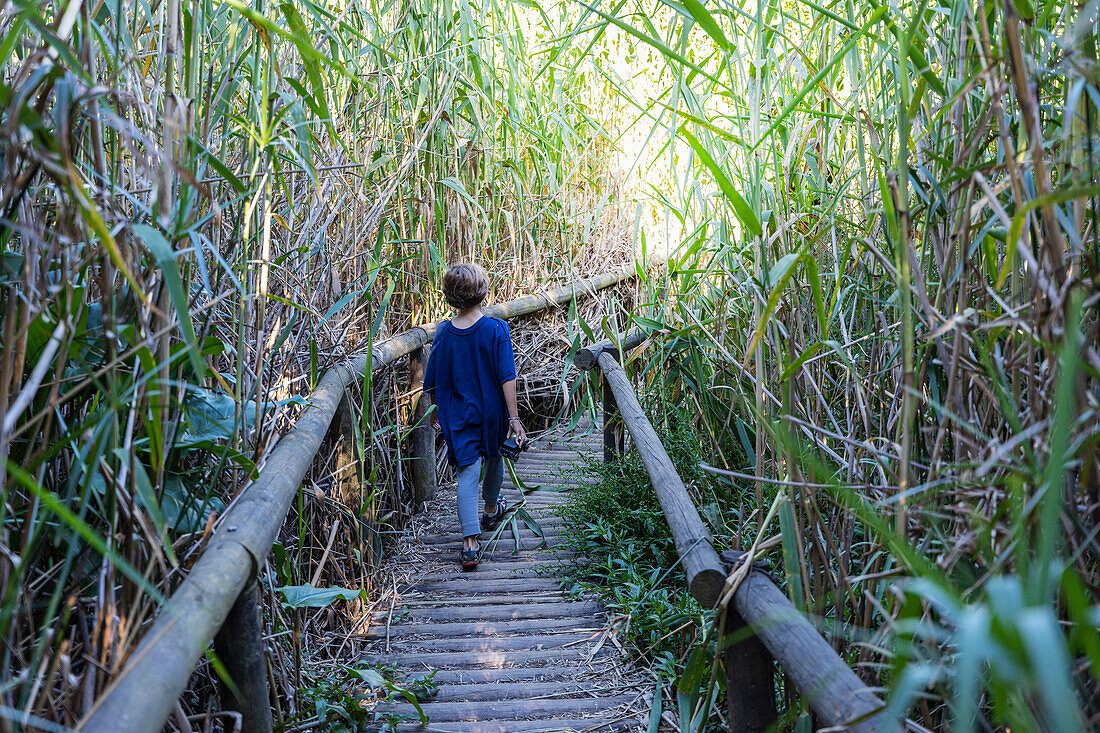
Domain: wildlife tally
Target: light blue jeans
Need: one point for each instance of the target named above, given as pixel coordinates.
(469, 514)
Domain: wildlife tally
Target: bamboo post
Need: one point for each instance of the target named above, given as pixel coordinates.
(614, 439)
(345, 448)
(240, 647)
(750, 682)
(613, 443)
(421, 438)
(349, 483)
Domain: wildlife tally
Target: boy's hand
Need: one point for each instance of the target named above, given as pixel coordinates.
(435, 422)
(515, 427)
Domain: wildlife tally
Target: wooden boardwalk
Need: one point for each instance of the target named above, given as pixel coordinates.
(512, 650)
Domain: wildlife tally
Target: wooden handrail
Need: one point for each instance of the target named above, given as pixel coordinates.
(705, 574)
(144, 694)
(835, 693)
(588, 356)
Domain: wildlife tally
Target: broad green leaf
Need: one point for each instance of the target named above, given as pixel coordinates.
(307, 596)
(786, 273)
(372, 677)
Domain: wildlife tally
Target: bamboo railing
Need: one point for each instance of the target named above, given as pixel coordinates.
(218, 598)
(779, 631)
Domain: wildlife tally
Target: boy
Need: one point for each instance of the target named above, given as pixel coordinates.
(471, 374)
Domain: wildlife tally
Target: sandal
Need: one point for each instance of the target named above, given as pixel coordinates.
(469, 558)
(490, 521)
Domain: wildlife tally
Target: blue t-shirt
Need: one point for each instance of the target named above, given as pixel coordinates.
(465, 371)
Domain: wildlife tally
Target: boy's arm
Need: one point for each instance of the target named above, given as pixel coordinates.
(515, 427)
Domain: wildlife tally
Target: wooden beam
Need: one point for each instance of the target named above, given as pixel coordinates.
(588, 357)
(836, 694)
(613, 443)
(144, 693)
(750, 676)
(349, 482)
(704, 570)
(240, 646)
(421, 437)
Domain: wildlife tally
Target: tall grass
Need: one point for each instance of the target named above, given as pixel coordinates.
(886, 295)
(204, 205)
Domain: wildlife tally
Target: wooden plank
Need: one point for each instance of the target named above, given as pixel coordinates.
(487, 586)
(589, 445)
(516, 674)
(505, 537)
(483, 628)
(572, 657)
(515, 709)
(596, 724)
(500, 558)
(511, 599)
(499, 553)
(519, 569)
(516, 612)
(705, 574)
(491, 691)
(492, 644)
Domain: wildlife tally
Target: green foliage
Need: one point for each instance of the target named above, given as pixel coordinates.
(874, 317)
(207, 204)
(616, 503)
(347, 701)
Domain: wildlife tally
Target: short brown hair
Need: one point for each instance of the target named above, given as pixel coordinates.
(465, 285)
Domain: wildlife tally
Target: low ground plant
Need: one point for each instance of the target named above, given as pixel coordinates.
(632, 563)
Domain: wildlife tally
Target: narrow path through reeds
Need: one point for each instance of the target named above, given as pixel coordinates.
(511, 650)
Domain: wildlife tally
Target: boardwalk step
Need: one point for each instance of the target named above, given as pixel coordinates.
(515, 611)
(591, 725)
(517, 674)
(415, 663)
(489, 644)
(496, 690)
(516, 709)
(516, 569)
(436, 601)
(483, 628)
(505, 538)
(510, 648)
(498, 576)
(498, 553)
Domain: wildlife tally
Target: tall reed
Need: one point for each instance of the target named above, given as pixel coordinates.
(886, 297)
(204, 205)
